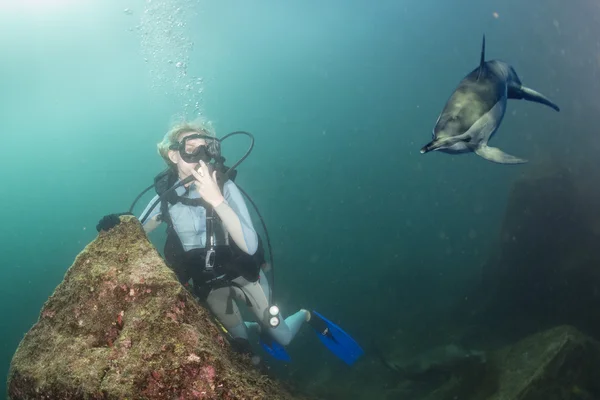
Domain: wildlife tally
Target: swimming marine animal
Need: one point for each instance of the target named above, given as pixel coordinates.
(476, 108)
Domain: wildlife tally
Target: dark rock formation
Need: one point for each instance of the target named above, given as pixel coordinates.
(438, 362)
(545, 269)
(557, 364)
(560, 363)
(120, 326)
(542, 225)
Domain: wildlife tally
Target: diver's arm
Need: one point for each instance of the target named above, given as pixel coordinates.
(152, 220)
(236, 219)
(233, 225)
(151, 224)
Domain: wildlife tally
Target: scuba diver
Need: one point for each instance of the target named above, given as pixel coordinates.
(212, 242)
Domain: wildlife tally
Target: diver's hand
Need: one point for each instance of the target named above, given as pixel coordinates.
(110, 221)
(266, 267)
(207, 185)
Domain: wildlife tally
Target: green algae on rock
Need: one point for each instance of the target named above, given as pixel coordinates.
(554, 364)
(121, 326)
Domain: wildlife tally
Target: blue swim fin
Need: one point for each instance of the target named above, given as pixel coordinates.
(335, 339)
(274, 349)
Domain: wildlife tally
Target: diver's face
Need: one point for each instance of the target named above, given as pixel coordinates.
(184, 168)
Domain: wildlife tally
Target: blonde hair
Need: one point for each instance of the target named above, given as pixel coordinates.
(172, 136)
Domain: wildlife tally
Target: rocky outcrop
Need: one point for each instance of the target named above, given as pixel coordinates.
(121, 326)
(556, 364)
(542, 226)
(544, 271)
(560, 363)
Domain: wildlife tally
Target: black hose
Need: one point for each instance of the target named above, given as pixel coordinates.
(268, 241)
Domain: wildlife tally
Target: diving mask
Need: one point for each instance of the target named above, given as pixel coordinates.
(197, 147)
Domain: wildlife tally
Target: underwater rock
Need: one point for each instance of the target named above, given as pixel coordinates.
(556, 364)
(121, 326)
(541, 225)
(544, 272)
(560, 363)
(450, 368)
(440, 361)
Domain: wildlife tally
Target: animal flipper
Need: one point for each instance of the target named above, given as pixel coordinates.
(482, 59)
(496, 155)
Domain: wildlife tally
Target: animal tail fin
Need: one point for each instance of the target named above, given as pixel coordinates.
(529, 94)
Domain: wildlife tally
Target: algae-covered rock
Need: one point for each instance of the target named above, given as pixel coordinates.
(121, 326)
(556, 364)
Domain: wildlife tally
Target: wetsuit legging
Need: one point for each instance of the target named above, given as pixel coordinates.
(219, 299)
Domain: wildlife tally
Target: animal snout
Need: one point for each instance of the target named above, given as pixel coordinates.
(426, 148)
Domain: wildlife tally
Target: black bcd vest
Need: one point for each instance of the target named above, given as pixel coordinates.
(230, 260)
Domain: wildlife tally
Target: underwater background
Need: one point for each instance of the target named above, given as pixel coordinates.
(340, 96)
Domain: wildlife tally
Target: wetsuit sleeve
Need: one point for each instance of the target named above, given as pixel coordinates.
(236, 218)
(151, 221)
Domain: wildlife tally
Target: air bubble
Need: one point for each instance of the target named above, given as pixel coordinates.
(165, 41)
